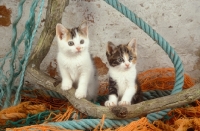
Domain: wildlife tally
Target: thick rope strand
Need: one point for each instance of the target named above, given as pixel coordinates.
(84, 124)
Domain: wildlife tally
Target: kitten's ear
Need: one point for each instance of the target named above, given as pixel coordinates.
(61, 31)
(84, 28)
(133, 44)
(110, 48)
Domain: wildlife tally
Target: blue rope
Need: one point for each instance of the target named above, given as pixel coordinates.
(85, 124)
(7, 80)
(30, 37)
(13, 55)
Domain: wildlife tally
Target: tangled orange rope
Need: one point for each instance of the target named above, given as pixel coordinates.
(161, 79)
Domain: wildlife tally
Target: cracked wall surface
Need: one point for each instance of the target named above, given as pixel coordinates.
(175, 20)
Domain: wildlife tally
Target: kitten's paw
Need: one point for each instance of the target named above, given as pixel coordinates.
(110, 103)
(80, 94)
(123, 103)
(66, 85)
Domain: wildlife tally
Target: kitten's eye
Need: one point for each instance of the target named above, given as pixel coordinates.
(82, 41)
(130, 58)
(70, 43)
(120, 59)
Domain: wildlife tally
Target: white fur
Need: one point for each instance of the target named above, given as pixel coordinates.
(112, 100)
(125, 79)
(77, 67)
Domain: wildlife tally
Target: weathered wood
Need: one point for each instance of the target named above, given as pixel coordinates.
(53, 16)
(54, 13)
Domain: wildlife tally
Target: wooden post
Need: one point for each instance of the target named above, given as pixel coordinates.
(54, 13)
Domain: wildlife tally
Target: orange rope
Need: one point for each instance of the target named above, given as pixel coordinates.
(182, 119)
(140, 125)
(20, 111)
(66, 115)
(41, 98)
(99, 127)
(162, 79)
(164, 127)
(39, 128)
(39, 103)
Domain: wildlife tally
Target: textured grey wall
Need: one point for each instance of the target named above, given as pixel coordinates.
(177, 21)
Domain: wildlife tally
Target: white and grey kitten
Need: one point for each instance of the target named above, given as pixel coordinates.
(123, 86)
(74, 61)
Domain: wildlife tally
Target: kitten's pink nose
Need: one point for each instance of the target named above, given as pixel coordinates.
(78, 48)
(127, 65)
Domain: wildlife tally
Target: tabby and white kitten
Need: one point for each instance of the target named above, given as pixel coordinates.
(74, 61)
(123, 87)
